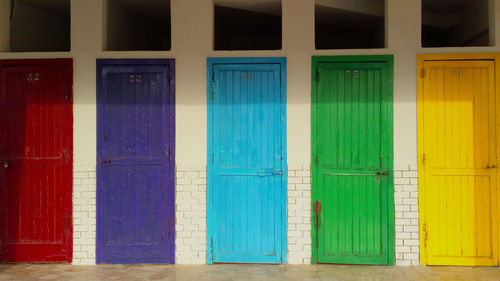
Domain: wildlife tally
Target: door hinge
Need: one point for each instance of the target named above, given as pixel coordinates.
(424, 229)
(212, 248)
(213, 157)
(212, 90)
(66, 155)
(422, 72)
(66, 94)
(317, 160)
(423, 159)
(317, 211)
(213, 87)
(317, 207)
(317, 75)
(170, 227)
(66, 225)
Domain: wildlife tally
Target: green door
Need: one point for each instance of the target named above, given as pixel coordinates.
(352, 185)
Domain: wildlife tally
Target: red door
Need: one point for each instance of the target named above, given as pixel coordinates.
(36, 156)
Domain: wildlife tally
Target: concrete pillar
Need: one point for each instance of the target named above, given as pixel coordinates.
(404, 39)
(192, 39)
(298, 44)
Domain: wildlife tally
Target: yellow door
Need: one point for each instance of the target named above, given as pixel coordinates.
(458, 169)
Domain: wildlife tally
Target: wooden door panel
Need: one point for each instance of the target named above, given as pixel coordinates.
(36, 110)
(352, 163)
(246, 166)
(358, 219)
(459, 146)
(255, 234)
(132, 209)
(135, 198)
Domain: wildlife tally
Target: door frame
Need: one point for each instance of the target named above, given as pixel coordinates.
(68, 63)
(250, 60)
(495, 57)
(170, 142)
(387, 120)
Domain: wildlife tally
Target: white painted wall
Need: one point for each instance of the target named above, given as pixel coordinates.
(192, 25)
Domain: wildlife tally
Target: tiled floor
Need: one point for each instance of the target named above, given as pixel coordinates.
(61, 272)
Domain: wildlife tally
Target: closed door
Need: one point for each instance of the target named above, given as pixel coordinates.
(36, 145)
(458, 171)
(246, 170)
(352, 163)
(135, 170)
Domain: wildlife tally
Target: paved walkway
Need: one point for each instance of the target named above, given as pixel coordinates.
(61, 272)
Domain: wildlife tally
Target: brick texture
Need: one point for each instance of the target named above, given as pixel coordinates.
(406, 214)
(299, 214)
(84, 214)
(191, 215)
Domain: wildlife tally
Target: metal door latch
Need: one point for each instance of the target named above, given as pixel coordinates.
(5, 164)
(379, 174)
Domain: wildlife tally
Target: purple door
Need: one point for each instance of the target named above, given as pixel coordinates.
(135, 161)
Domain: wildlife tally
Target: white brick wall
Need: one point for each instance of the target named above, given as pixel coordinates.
(191, 215)
(191, 233)
(84, 213)
(406, 213)
(299, 214)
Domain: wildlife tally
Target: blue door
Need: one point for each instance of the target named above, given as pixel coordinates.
(135, 161)
(246, 161)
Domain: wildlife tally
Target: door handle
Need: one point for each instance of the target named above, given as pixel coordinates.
(5, 164)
